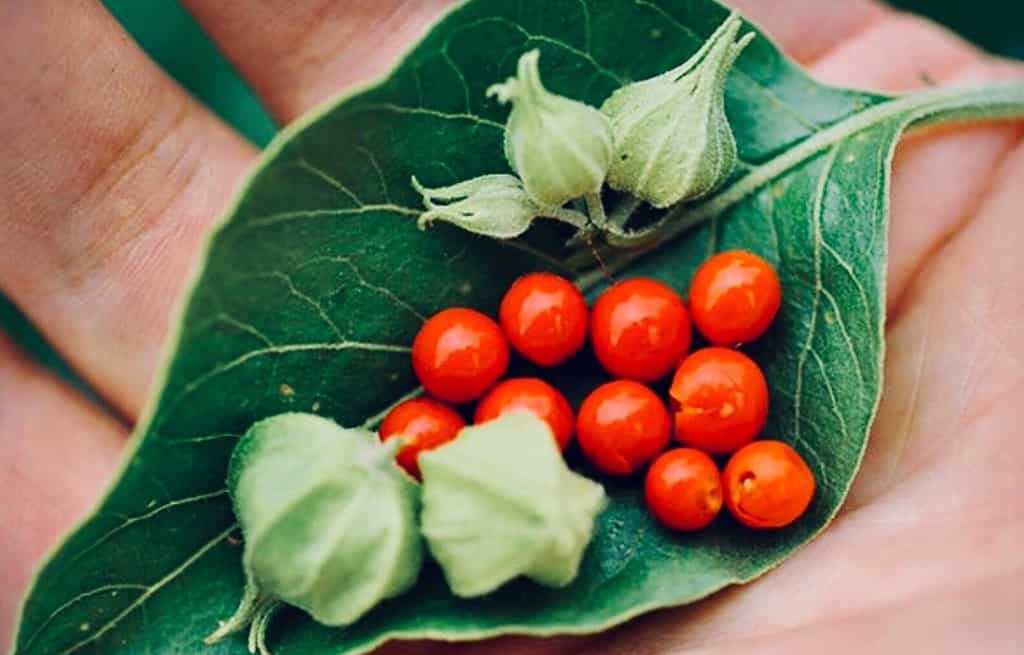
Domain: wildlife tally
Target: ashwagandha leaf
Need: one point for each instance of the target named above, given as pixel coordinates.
(313, 286)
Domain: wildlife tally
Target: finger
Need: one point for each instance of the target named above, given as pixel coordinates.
(110, 175)
(808, 29)
(57, 451)
(297, 53)
(927, 53)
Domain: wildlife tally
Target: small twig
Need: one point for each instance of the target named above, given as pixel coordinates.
(599, 259)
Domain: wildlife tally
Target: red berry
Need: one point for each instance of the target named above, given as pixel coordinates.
(684, 489)
(734, 297)
(640, 329)
(621, 426)
(458, 354)
(424, 424)
(720, 399)
(767, 485)
(533, 395)
(545, 318)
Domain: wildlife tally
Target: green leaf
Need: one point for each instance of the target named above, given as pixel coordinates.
(315, 283)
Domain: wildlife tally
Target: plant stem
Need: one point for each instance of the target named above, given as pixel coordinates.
(624, 211)
(595, 208)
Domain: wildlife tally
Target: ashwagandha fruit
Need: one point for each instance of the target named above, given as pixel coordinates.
(497, 206)
(329, 522)
(560, 148)
(673, 142)
(499, 502)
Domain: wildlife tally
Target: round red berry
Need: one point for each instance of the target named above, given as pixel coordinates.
(734, 297)
(424, 424)
(683, 489)
(545, 318)
(767, 484)
(459, 354)
(622, 425)
(640, 329)
(533, 395)
(720, 399)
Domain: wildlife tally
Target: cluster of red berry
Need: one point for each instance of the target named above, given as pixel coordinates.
(640, 331)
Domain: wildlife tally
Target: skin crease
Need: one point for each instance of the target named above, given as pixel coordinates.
(926, 554)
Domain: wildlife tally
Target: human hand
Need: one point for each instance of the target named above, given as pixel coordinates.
(111, 175)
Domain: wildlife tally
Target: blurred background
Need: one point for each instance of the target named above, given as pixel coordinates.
(175, 42)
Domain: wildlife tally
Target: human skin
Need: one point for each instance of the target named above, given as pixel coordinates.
(110, 175)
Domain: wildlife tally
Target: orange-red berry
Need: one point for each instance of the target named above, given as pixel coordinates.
(459, 354)
(424, 424)
(767, 485)
(734, 296)
(545, 318)
(533, 395)
(640, 329)
(621, 426)
(683, 489)
(720, 400)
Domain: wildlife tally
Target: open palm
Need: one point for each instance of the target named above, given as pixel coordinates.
(110, 174)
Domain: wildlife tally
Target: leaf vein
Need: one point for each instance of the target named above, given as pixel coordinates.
(846, 335)
(543, 38)
(146, 595)
(401, 109)
(280, 350)
(458, 73)
(843, 264)
(128, 522)
(75, 600)
(203, 438)
(380, 173)
(830, 390)
(816, 209)
(329, 179)
(365, 283)
(305, 298)
(585, 11)
(228, 319)
(282, 217)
